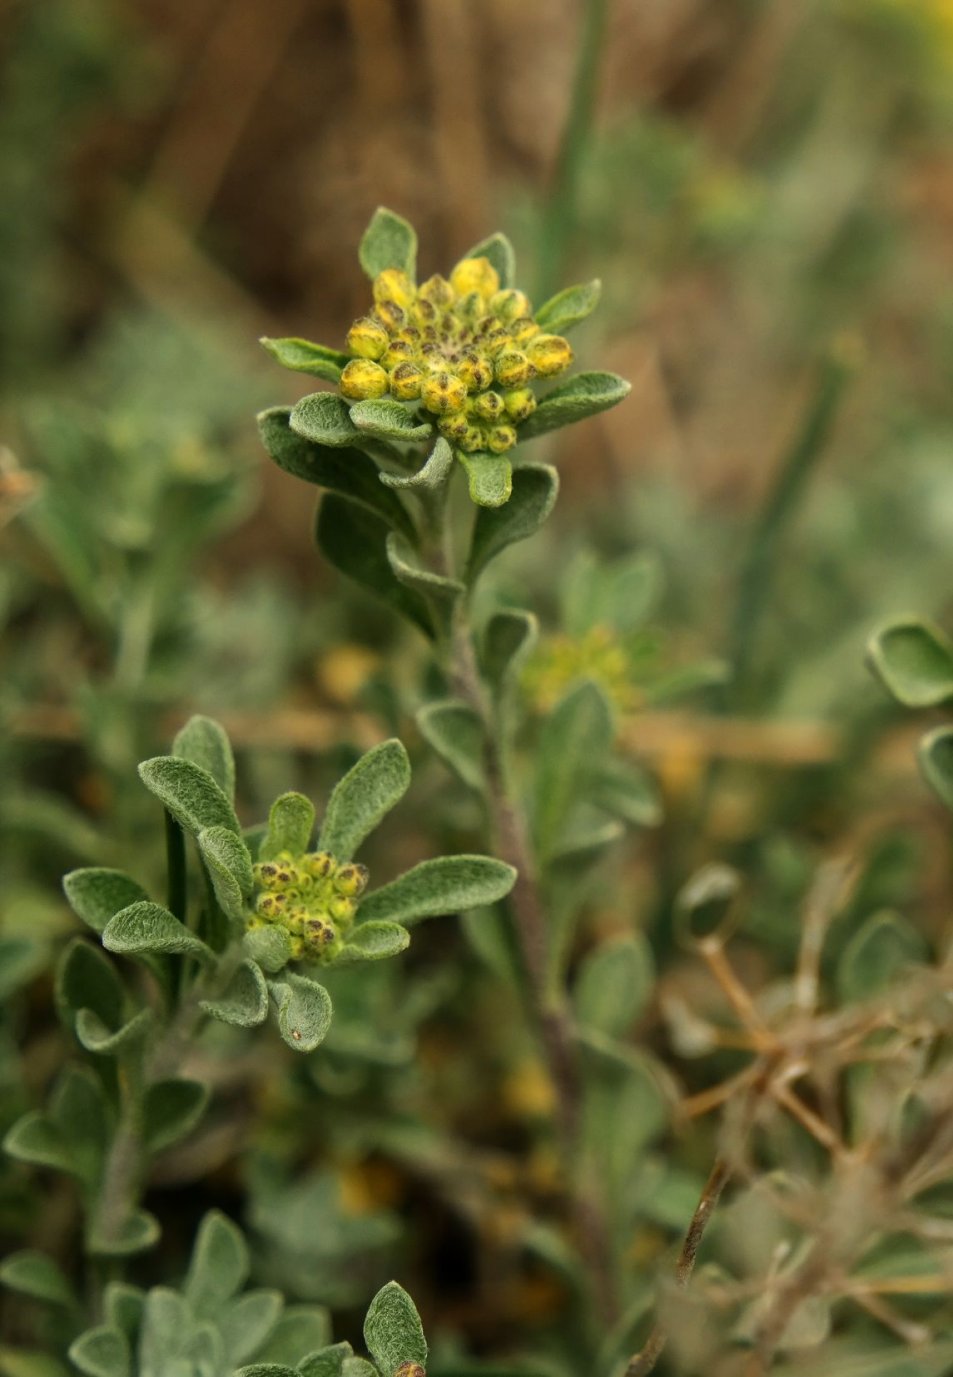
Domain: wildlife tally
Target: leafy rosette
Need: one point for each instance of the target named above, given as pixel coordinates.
(460, 355)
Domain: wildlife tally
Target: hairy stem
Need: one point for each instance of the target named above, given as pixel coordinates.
(645, 1360)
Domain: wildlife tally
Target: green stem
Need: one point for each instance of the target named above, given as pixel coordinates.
(176, 868)
(559, 218)
(761, 558)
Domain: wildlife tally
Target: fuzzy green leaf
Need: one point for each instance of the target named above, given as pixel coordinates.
(246, 1323)
(368, 791)
(102, 1352)
(265, 1370)
(354, 540)
(581, 396)
(168, 1331)
(573, 745)
(568, 307)
(388, 420)
(533, 497)
(350, 473)
(454, 731)
(95, 894)
(290, 825)
(358, 1367)
(325, 1362)
(302, 356)
(245, 1000)
(489, 477)
(138, 1233)
(432, 476)
(219, 1265)
(389, 241)
(203, 741)
(915, 661)
(301, 1329)
(507, 638)
(447, 884)
(87, 979)
(628, 793)
(324, 418)
(440, 594)
(878, 953)
(107, 1041)
(229, 866)
(172, 1109)
(374, 941)
(614, 984)
(190, 794)
(35, 1138)
(304, 1011)
(147, 927)
(34, 1274)
(269, 948)
(936, 762)
(392, 1330)
(498, 249)
(618, 595)
(122, 1306)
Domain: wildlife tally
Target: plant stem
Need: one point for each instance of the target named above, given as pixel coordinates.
(645, 1360)
(176, 867)
(761, 557)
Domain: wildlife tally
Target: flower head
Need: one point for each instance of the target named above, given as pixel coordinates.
(313, 897)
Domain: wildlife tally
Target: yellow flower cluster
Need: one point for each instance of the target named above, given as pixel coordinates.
(463, 348)
(562, 661)
(313, 897)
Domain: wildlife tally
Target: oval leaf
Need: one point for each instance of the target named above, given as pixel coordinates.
(507, 638)
(301, 356)
(389, 241)
(388, 420)
(936, 762)
(290, 825)
(498, 249)
(432, 476)
(447, 884)
(354, 540)
(374, 941)
(245, 1001)
(95, 894)
(573, 745)
(489, 478)
(229, 866)
(534, 491)
(219, 1265)
(34, 1274)
(105, 1041)
(189, 793)
(614, 985)
(102, 1352)
(582, 396)
(359, 800)
(440, 594)
(392, 1330)
(269, 948)
(203, 741)
(304, 1012)
(172, 1109)
(455, 732)
(86, 978)
(324, 417)
(915, 661)
(146, 927)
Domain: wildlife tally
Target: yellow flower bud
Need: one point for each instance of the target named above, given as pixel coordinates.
(342, 908)
(362, 379)
(351, 879)
(549, 354)
(272, 906)
(424, 312)
(391, 316)
(321, 865)
(409, 1369)
(487, 406)
(519, 403)
(405, 382)
(255, 923)
(437, 291)
(496, 340)
(367, 339)
(512, 368)
(501, 438)
(441, 393)
(394, 285)
(475, 370)
(475, 275)
(297, 948)
(319, 934)
(472, 441)
(453, 427)
(398, 352)
(522, 331)
(510, 305)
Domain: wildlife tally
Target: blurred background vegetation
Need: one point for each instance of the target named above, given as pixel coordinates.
(766, 189)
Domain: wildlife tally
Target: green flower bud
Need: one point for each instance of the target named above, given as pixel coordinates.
(271, 906)
(362, 379)
(453, 427)
(549, 354)
(255, 923)
(522, 331)
(519, 403)
(342, 909)
(391, 316)
(512, 368)
(500, 438)
(405, 381)
(470, 307)
(367, 339)
(475, 370)
(266, 875)
(424, 312)
(297, 948)
(437, 292)
(472, 441)
(296, 917)
(487, 406)
(394, 285)
(321, 865)
(351, 879)
(399, 351)
(442, 393)
(510, 305)
(319, 934)
(475, 275)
